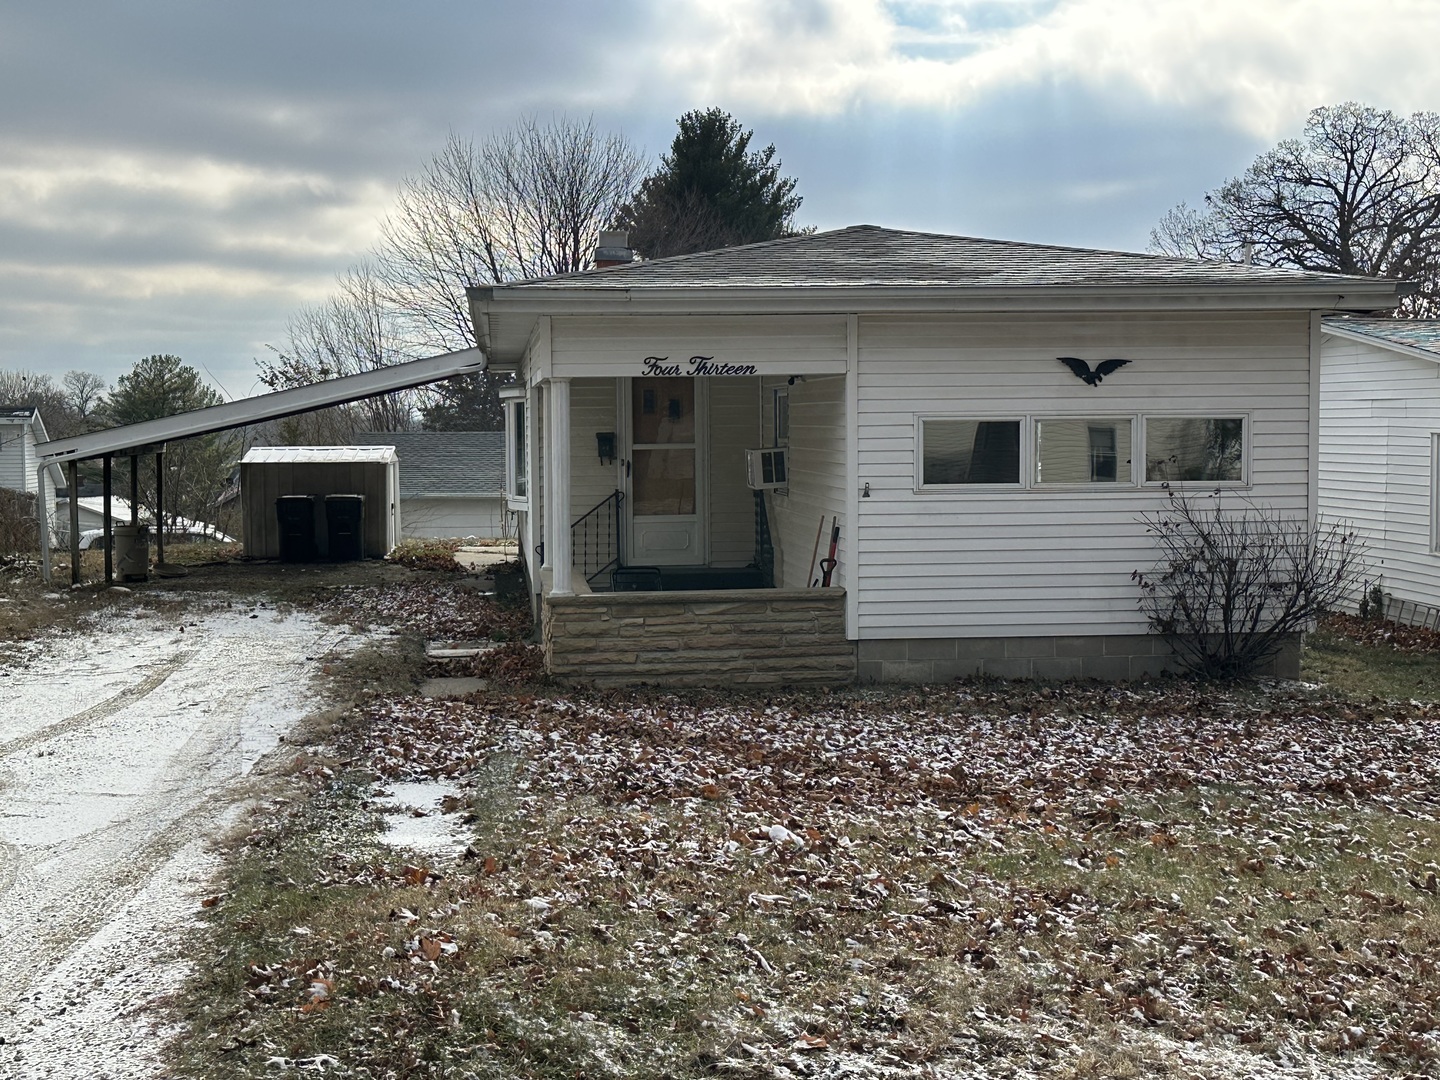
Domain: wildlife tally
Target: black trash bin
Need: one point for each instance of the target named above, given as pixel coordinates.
(296, 514)
(345, 526)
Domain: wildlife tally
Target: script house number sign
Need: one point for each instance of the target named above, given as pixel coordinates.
(696, 365)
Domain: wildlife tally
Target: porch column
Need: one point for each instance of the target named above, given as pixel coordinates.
(159, 507)
(545, 491)
(109, 526)
(73, 478)
(560, 487)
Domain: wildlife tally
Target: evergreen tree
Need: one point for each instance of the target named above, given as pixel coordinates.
(711, 191)
(196, 470)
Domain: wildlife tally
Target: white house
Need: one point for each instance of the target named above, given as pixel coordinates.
(1379, 441)
(452, 483)
(988, 499)
(21, 430)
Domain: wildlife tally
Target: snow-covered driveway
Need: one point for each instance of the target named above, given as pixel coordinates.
(124, 749)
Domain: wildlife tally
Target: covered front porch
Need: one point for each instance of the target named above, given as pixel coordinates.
(685, 521)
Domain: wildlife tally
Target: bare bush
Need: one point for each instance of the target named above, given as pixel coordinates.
(1233, 585)
(19, 529)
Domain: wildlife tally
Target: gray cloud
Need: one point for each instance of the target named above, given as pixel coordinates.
(179, 177)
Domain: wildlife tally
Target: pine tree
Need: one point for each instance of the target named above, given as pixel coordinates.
(711, 191)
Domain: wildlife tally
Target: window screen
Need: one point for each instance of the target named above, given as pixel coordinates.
(970, 452)
(1195, 448)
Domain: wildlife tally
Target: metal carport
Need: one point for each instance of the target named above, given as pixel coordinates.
(132, 440)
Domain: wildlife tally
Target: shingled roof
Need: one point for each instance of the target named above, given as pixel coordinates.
(445, 463)
(1417, 334)
(867, 255)
(865, 269)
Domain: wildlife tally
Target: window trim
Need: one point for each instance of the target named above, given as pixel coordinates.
(1029, 463)
(1246, 450)
(779, 395)
(517, 449)
(1026, 451)
(1120, 483)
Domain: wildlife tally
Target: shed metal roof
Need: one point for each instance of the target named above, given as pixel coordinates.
(296, 455)
(447, 463)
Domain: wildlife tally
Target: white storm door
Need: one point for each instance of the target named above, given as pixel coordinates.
(665, 487)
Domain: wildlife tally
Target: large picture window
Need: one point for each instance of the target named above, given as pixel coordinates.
(1083, 451)
(1067, 452)
(970, 452)
(1204, 449)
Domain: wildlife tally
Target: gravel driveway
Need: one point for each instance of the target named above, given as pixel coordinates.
(125, 749)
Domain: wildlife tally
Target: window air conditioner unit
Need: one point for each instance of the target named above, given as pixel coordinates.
(766, 468)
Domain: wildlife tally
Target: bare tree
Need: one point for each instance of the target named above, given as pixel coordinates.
(527, 203)
(356, 330)
(84, 396)
(1358, 194)
(69, 408)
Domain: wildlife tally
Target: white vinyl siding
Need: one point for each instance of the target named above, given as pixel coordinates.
(449, 517)
(1379, 415)
(17, 448)
(734, 416)
(619, 345)
(816, 489)
(1003, 562)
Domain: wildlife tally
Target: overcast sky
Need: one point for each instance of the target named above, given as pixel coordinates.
(180, 176)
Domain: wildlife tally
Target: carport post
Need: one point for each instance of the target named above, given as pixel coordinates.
(159, 507)
(73, 476)
(42, 511)
(134, 489)
(109, 528)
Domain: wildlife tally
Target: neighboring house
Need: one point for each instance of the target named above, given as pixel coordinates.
(91, 512)
(92, 522)
(21, 429)
(988, 500)
(452, 483)
(1379, 441)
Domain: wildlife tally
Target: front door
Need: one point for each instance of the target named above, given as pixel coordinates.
(665, 497)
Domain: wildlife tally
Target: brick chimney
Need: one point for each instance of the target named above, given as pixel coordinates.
(613, 249)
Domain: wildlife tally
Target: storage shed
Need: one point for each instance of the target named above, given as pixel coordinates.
(269, 472)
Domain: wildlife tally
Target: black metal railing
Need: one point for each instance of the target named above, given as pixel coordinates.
(597, 544)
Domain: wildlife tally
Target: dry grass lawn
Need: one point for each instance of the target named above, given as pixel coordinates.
(981, 880)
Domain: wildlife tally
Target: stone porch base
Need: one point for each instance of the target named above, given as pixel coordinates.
(720, 637)
(1114, 657)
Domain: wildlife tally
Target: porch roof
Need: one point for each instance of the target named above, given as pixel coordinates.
(866, 268)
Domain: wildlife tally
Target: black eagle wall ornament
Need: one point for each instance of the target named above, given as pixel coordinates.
(1090, 377)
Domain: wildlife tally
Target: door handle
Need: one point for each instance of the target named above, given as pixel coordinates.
(627, 468)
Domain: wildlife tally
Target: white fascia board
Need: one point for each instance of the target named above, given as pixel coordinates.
(520, 306)
(1339, 330)
(1352, 296)
(256, 410)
